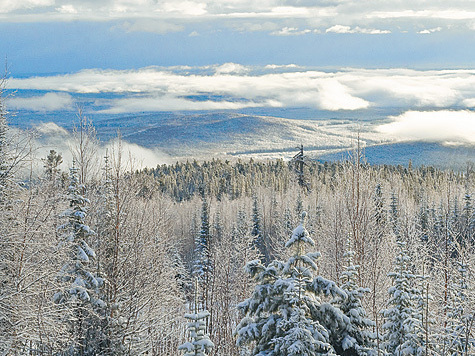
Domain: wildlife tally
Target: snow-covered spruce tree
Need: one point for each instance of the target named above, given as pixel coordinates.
(378, 263)
(277, 233)
(356, 339)
(403, 323)
(258, 241)
(459, 338)
(107, 261)
(200, 344)
(80, 296)
(299, 162)
(468, 220)
(203, 264)
(243, 251)
(285, 315)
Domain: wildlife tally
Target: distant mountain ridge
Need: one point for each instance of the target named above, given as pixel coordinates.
(223, 133)
(216, 134)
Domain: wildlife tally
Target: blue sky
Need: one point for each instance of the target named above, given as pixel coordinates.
(51, 36)
(337, 56)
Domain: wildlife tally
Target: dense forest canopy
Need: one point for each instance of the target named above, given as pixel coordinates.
(245, 257)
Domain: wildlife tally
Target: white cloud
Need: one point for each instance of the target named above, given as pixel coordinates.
(136, 156)
(368, 17)
(409, 88)
(438, 126)
(339, 29)
(50, 128)
(348, 29)
(67, 9)
(231, 68)
(46, 102)
(234, 86)
(284, 66)
(335, 96)
(170, 103)
(167, 90)
(189, 8)
(447, 14)
(429, 31)
(290, 31)
(50, 136)
(7, 6)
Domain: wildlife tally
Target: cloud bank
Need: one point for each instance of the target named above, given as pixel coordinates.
(161, 16)
(50, 136)
(47, 102)
(232, 86)
(445, 126)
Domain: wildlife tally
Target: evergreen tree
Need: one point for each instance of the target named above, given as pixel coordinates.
(81, 295)
(376, 257)
(259, 242)
(200, 344)
(403, 323)
(218, 229)
(277, 232)
(182, 276)
(285, 315)
(356, 339)
(299, 205)
(468, 221)
(460, 315)
(394, 215)
(202, 266)
(51, 165)
(299, 162)
(108, 263)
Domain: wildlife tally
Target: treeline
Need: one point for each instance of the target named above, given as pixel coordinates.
(97, 260)
(238, 178)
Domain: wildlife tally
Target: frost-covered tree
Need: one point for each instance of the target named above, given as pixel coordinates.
(285, 314)
(7, 247)
(403, 323)
(468, 221)
(84, 147)
(51, 165)
(108, 244)
(203, 265)
(200, 344)
(377, 258)
(258, 241)
(13, 280)
(459, 330)
(299, 161)
(357, 338)
(80, 295)
(203, 262)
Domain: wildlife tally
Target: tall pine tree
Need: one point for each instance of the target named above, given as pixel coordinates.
(403, 322)
(81, 286)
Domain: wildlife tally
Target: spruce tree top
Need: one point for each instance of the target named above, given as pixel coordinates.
(200, 344)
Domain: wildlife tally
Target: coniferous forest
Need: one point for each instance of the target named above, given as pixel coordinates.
(239, 257)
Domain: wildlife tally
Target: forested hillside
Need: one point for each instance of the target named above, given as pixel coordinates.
(232, 258)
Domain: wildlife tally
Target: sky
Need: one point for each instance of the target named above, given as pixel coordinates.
(335, 56)
(54, 36)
